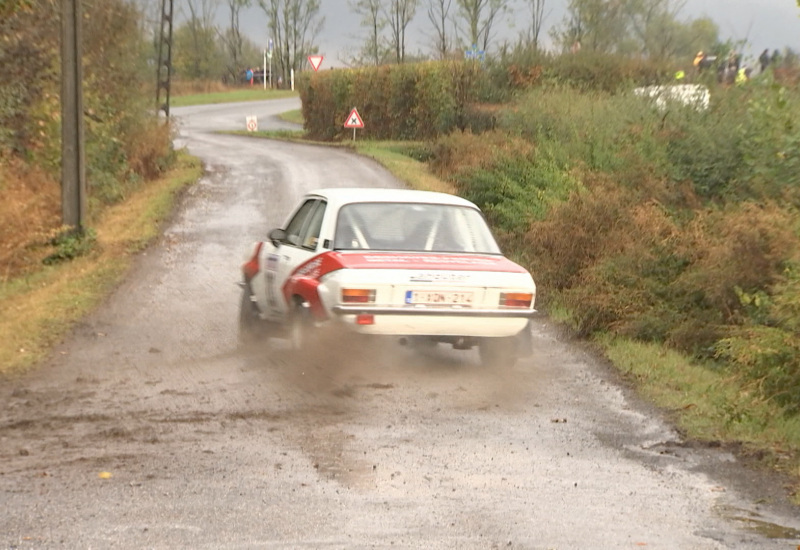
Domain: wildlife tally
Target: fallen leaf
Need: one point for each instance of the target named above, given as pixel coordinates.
(104, 475)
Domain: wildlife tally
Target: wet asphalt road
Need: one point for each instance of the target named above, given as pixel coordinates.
(151, 428)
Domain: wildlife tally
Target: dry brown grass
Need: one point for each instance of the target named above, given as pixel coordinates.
(744, 246)
(146, 149)
(37, 309)
(622, 261)
(30, 215)
(464, 151)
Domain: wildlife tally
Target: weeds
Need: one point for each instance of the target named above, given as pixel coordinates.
(675, 226)
(70, 244)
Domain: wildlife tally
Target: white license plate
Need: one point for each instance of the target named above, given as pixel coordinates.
(439, 298)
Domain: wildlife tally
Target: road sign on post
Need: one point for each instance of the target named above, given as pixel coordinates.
(316, 61)
(252, 123)
(269, 55)
(475, 53)
(354, 121)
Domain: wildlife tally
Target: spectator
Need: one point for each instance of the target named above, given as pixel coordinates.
(764, 60)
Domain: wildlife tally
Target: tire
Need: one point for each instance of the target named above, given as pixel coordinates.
(498, 352)
(251, 328)
(301, 326)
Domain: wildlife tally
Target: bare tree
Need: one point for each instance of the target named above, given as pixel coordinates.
(596, 25)
(439, 16)
(655, 24)
(293, 25)
(371, 12)
(537, 20)
(399, 13)
(201, 29)
(476, 18)
(233, 36)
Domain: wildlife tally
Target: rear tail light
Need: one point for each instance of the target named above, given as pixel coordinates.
(358, 295)
(516, 299)
(365, 319)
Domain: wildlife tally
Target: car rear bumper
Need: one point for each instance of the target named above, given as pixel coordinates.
(436, 312)
(412, 321)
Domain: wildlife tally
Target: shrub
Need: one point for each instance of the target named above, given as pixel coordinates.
(410, 101)
(506, 177)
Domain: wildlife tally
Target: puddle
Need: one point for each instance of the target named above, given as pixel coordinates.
(764, 528)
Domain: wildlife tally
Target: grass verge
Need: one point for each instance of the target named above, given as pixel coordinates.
(710, 405)
(36, 311)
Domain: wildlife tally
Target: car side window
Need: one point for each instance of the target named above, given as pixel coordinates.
(295, 227)
(313, 227)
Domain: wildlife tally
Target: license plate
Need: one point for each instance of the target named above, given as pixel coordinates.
(439, 298)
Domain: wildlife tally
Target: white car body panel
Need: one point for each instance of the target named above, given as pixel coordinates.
(391, 286)
(692, 95)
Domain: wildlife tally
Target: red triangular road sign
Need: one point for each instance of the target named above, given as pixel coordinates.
(315, 60)
(354, 120)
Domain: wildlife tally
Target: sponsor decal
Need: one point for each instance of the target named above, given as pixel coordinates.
(310, 269)
(440, 276)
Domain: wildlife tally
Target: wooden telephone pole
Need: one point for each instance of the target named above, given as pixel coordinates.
(164, 70)
(73, 156)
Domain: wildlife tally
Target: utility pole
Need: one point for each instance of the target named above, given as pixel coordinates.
(73, 156)
(164, 69)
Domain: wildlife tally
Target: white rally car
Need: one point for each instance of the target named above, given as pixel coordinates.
(416, 265)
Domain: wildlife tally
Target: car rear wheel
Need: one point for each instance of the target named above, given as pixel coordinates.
(300, 327)
(496, 352)
(251, 328)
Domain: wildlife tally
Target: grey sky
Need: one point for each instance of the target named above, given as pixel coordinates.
(771, 24)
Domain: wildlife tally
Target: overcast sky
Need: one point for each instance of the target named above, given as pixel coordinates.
(763, 23)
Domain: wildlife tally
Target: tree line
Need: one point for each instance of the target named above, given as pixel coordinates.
(206, 49)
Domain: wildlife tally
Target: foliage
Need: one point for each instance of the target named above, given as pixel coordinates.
(766, 352)
(125, 144)
(71, 244)
(746, 145)
(27, 55)
(474, 20)
(675, 226)
(521, 68)
(198, 53)
(650, 28)
(510, 179)
(409, 101)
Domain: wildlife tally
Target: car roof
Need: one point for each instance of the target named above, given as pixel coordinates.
(340, 196)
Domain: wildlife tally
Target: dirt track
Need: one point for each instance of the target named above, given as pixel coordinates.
(211, 446)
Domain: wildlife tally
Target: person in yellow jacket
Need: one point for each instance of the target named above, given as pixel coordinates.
(742, 76)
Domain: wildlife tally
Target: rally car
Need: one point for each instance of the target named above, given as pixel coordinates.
(416, 265)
